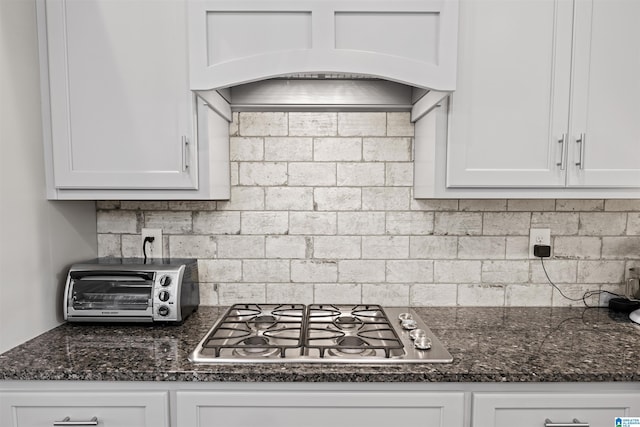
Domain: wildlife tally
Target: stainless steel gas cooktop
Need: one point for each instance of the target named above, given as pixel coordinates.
(319, 333)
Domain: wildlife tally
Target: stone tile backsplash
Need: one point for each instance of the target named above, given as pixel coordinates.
(321, 211)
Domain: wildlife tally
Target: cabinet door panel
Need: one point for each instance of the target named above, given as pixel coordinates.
(511, 103)
(238, 41)
(532, 409)
(606, 98)
(120, 102)
(131, 409)
(319, 409)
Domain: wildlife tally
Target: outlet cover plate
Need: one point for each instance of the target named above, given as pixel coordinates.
(538, 236)
(154, 249)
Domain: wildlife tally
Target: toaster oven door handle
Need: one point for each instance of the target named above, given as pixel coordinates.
(125, 284)
(112, 275)
(67, 422)
(114, 278)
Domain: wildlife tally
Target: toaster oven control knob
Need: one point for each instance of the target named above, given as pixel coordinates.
(163, 296)
(165, 281)
(163, 310)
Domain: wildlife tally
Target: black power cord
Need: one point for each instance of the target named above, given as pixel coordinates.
(587, 294)
(148, 239)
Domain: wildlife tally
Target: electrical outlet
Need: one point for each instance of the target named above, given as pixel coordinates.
(538, 236)
(154, 249)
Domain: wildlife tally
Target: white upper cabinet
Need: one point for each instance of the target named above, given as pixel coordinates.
(121, 113)
(605, 107)
(119, 116)
(239, 41)
(512, 100)
(547, 96)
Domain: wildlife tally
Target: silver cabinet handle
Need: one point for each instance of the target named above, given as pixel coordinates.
(185, 153)
(581, 140)
(575, 423)
(67, 422)
(562, 141)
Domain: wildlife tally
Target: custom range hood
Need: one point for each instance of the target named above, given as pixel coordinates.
(327, 55)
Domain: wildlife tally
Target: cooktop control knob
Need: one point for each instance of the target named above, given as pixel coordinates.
(165, 280)
(163, 296)
(163, 310)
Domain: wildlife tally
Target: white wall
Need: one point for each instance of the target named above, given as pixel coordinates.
(38, 238)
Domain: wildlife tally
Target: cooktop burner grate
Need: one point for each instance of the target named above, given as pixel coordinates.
(258, 330)
(348, 330)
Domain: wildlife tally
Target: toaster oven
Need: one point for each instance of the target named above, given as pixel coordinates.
(131, 290)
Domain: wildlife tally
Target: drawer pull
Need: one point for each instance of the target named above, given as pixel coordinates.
(67, 422)
(575, 423)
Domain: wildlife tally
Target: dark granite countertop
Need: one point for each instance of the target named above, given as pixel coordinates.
(488, 345)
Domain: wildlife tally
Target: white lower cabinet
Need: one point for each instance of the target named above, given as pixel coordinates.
(203, 404)
(311, 409)
(549, 409)
(61, 408)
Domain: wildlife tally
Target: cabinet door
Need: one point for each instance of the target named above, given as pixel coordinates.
(510, 107)
(37, 409)
(121, 109)
(532, 409)
(605, 122)
(319, 409)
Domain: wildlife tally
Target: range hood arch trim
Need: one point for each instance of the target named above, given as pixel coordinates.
(276, 65)
(320, 51)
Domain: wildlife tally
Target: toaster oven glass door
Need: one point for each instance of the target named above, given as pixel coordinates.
(113, 292)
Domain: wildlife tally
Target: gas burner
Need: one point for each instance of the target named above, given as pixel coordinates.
(366, 329)
(261, 331)
(262, 322)
(255, 341)
(351, 342)
(256, 346)
(348, 323)
(350, 346)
